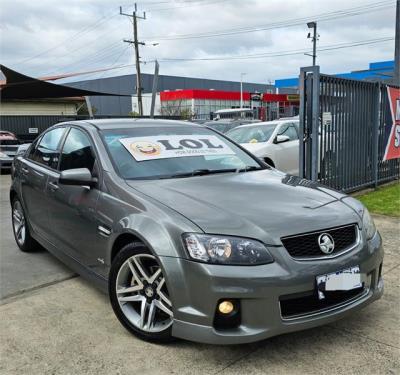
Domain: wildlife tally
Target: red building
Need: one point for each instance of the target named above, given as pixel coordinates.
(199, 104)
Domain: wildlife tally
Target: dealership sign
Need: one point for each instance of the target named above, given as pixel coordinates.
(392, 150)
(175, 146)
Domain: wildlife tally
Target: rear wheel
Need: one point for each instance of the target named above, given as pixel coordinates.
(139, 294)
(22, 235)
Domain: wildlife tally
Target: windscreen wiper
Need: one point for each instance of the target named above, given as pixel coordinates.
(199, 172)
(248, 168)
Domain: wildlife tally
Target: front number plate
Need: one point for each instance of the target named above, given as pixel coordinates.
(347, 279)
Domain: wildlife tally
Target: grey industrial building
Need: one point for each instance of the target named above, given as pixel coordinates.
(125, 85)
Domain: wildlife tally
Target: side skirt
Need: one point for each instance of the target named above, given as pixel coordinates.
(97, 280)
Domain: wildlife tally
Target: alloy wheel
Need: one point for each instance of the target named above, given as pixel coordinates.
(142, 294)
(19, 223)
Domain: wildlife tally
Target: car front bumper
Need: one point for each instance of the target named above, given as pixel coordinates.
(195, 289)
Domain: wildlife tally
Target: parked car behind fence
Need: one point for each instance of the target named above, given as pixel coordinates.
(8, 149)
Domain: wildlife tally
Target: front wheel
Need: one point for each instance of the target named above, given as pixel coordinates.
(139, 294)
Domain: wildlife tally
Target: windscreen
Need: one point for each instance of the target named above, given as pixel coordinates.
(165, 152)
(252, 134)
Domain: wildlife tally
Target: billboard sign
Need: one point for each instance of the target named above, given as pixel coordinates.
(392, 150)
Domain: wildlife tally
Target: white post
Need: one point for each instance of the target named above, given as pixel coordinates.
(241, 89)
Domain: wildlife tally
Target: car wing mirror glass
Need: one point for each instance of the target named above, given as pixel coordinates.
(22, 149)
(77, 177)
(281, 139)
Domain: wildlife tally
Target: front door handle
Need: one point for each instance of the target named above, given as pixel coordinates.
(25, 170)
(53, 186)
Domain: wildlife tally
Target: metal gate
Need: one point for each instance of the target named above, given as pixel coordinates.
(343, 123)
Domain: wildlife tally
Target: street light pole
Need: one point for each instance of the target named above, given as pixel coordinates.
(241, 89)
(313, 25)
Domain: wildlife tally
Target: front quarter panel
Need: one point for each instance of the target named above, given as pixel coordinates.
(123, 210)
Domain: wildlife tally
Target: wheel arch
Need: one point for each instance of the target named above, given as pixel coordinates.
(13, 194)
(124, 239)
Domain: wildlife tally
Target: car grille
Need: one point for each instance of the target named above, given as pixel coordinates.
(298, 305)
(306, 245)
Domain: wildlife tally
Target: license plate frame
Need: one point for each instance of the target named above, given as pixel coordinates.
(343, 280)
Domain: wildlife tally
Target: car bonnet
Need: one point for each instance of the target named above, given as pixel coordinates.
(263, 204)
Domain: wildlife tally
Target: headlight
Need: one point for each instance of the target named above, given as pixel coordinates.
(368, 224)
(226, 249)
(3, 155)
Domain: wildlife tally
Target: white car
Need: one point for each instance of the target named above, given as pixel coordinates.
(276, 142)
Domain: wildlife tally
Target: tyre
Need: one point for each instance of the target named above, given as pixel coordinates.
(139, 295)
(20, 227)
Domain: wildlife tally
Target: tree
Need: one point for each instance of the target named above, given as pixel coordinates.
(176, 110)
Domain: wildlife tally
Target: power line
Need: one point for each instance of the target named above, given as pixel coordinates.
(116, 60)
(283, 53)
(265, 55)
(95, 56)
(327, 16)
(199, 3)
(81, 32)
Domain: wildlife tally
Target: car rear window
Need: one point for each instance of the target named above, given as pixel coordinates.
(252, 134)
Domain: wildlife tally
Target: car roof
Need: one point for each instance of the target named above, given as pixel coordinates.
(124, 123)
(233, 110)
(266, 123)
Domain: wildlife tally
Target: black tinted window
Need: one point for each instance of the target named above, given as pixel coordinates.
(46, 151)
(77, 151)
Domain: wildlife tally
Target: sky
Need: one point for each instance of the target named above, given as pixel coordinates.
(46, 37)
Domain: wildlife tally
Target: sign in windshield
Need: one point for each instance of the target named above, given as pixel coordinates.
(163, 152)
(175, 146)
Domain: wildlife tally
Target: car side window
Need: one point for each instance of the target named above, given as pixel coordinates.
(77, 151)
(32, 148)
(47, 152)
(290, 131)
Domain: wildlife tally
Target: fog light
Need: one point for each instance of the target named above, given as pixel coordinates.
(225, 307)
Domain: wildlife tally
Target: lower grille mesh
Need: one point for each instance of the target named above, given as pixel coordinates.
(308, 303)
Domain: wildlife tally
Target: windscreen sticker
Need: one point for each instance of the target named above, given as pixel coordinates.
(175, 146)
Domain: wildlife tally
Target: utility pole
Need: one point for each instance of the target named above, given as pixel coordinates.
(136, 43)
(314, 38)
(397, 46)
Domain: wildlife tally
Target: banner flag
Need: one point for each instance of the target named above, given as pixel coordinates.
(392, 150)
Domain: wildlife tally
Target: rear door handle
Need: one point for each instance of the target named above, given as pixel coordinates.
(25, 170)
(53, 186)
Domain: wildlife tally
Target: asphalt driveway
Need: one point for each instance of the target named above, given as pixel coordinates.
(55, 323)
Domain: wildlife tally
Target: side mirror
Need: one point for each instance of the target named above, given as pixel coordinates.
(22, 149)
(77, 177)
(281, 139)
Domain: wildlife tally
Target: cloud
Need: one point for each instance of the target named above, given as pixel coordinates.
(50, 37)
